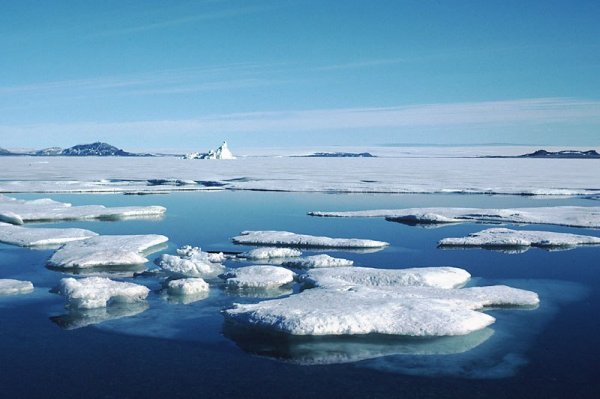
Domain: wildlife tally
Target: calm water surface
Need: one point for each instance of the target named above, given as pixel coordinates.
(167, 348)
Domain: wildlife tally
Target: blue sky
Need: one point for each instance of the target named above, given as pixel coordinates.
(189, 74)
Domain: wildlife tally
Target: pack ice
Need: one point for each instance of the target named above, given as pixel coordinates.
(10, 287)
(501, 237)
(258, 277)
(383, 305)
(17, 211)
(106, 250)
(97, 292)
(31, 237)
(270, 253)
(286, 238)
(192, 262)
(317, 261)
(187, 286)
(573, 216)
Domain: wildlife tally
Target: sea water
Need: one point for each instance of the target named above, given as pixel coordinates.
(170, 348)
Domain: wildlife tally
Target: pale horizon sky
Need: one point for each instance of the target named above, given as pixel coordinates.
(189, 74)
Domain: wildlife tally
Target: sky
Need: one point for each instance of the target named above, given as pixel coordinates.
(187, 75)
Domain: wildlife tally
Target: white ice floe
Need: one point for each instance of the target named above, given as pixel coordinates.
(31, 237)
(192, 262)
(501, 237)
(187, 286)
(302, 240)
(317, 261)
(270, 253)
(97, 292)
(410, 311)
(10, 287)
(436, 277)
(17, 211)
(258, 277)
(574, 216)
(106, 250)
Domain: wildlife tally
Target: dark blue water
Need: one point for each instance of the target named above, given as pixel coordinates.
(186, 350)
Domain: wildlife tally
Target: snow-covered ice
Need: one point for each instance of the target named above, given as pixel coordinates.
(286, 238)
(573, 216)
(97, 292)
(258, 277)
(501, 237)
(10, 286)
(18, 211)
(410, 311)
(317, 261)
(270, 253)
(436, 277)
(192, 262)
(38, 236)
(106, 250)
(187, 286)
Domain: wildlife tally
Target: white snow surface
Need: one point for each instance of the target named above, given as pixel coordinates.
(573, 216)
(408, 311)
(270, 253)
(258, 277)
(187, 286)
(31, 237)
(437, 277)
(286, 238)
(10, 287)
(17, 211)
(192, 262)
(106, 250)
(501, 237)
(97, 292)
(396, 170)
(317, 261)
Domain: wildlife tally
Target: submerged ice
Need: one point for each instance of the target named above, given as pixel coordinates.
(286, 238)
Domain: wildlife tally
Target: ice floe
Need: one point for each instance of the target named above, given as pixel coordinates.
(317, 261)
(501, 237)
(286, 238)
(192, 262)
(106, 250)
(10, 287)
(270, 253)
(258, 277)
(573, 216)
(97, 292)
(33, 237)
(187, 286)
(436, 277)
(17, 211)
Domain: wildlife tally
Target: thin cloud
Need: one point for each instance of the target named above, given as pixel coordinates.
(361, 64)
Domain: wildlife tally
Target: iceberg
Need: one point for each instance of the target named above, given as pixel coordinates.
(106, 250)
(97, 292)
(223, 152)
(258, 277)
(572, 216)
(316, 261)
(285, 238)
(507, 238)
(187, 286)
(17, 211)
(10, 287)
(35, 237)
(270, 253)
(192, 262)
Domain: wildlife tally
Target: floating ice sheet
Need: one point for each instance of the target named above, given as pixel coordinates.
(17, 211)
(270, 253)
(258, 277)
(192, 262)
(38, 236)
(97, 292)
(106, 250)
(187, 286)
(11, 287)
(574, 216)
(503, 238)
(317, 261)
(286, 238)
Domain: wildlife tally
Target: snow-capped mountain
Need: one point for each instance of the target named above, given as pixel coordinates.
(95, 149)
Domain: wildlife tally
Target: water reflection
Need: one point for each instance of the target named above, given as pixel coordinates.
(78, 318)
